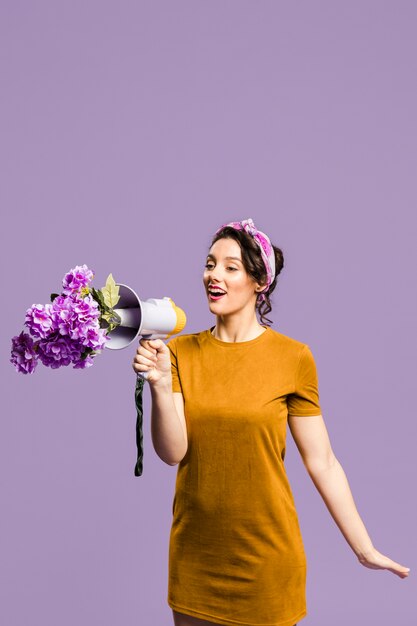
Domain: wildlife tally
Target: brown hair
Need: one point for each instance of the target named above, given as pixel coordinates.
(254, 264)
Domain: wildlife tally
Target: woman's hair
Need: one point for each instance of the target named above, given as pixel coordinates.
(254, 264)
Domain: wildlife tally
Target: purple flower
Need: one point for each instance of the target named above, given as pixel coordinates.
(95, 338)
(23, 355)
(39, 320)
(77, 278)
(87, 309)
(73, 316)
(59, 352)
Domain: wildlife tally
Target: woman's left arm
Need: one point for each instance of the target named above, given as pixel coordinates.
(312, 440)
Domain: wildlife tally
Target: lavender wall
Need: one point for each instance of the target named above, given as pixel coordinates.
(129, 132)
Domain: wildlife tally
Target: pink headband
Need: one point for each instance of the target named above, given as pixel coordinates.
(264, 244)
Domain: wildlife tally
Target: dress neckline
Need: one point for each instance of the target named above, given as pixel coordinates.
(236, 344)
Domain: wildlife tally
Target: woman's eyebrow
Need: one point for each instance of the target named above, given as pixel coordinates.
(226, 257)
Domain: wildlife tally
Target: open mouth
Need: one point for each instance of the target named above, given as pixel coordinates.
(215, 295)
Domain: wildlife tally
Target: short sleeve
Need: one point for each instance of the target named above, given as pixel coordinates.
(176, 383)
(305, 399)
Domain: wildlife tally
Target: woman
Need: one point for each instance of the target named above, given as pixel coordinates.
(221, 400)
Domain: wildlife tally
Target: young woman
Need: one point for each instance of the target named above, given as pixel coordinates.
(221, 401)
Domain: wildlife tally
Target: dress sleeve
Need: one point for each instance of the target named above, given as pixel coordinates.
(176, 383)
(305, 399)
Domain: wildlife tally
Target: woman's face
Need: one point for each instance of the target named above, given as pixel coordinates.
(225, 270)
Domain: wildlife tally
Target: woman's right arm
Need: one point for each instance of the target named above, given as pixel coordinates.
(168, 436)
(168, 425)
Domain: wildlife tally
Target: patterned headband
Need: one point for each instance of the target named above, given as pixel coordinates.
(264, 244)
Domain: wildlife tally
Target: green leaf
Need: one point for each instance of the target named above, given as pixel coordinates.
(110, 292)
(97, 295)
(53, 296)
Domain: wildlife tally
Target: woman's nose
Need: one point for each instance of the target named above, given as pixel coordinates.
(215, 276)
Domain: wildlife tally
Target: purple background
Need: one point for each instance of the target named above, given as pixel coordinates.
(129, 132)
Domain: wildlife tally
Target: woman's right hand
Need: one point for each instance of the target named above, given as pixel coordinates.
(153, 356)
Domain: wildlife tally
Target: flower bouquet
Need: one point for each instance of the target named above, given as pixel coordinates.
(73, 329)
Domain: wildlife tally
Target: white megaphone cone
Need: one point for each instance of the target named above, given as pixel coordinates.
(154, 318)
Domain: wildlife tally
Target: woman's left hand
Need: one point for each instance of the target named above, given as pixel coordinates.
(375, 560)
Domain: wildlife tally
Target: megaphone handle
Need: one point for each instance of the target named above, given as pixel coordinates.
(139, 425)
(140, 382)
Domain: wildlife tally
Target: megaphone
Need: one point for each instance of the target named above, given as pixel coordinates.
(154, 318)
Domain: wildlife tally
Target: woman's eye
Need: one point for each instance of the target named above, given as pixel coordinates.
(208, 265)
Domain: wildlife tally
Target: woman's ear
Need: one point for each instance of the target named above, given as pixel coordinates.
(259, 287)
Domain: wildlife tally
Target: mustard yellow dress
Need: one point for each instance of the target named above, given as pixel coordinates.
(236, 555)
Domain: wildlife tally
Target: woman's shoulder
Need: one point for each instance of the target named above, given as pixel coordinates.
(186, 339)
(286, 341)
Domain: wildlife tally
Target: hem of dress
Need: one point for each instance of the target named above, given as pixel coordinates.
(226, 622)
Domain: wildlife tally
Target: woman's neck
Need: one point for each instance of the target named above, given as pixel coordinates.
(231, 332)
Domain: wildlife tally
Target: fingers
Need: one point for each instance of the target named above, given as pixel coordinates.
(156, 344)
(140, 359)
(142, 367)
(381, 561)
(400, 571)
(147, 354)
(146, 349)
(145, 358)
(396, 568)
